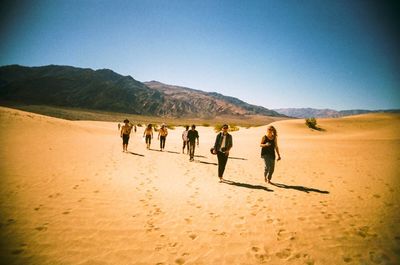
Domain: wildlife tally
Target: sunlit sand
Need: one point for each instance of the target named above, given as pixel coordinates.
(69, 195)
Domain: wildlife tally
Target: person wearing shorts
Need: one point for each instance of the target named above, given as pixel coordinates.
(148, 133)
(125, 133)
(162, 136)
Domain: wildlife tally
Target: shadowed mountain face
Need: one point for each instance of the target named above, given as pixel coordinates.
(104, 89)
(76, 87)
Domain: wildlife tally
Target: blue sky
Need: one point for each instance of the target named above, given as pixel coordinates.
(277, 54)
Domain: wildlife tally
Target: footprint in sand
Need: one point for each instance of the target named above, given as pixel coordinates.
(75, 187)
(38, 208)
(10, 221)
(158, 247)
(41, 228)
(66, 212)
(193, 236)
(180, 261)
(172, 245)
(284, 253)
(377, 196)
(378, 258)
(262, 258)
(52, 196)
(362, 231)
(17, 251)
(255, 249)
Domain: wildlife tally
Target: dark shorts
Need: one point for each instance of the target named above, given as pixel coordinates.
(125, 138)
(148, 139)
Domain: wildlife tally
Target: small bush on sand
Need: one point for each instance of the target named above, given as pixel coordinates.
(233, 128)
(311, 123)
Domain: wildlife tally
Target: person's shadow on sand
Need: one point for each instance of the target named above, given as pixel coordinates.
(165, 151)
(299, 188)
(208, 163)
(246, 185)
(237, 158)
(136, 154)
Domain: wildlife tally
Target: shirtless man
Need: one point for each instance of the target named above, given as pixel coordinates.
(125, 132)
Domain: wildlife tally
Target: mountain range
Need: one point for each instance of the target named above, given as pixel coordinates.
(326, 113)
(68, 86)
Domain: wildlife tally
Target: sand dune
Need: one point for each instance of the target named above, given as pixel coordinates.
(69, 195)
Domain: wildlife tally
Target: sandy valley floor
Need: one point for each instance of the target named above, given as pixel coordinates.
(69, 195)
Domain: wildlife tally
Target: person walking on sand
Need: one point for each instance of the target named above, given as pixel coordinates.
(185, 140)
(223, 143)
(162, 136)
(148, 133)
(192, 136)
(269, 144)
(125, 133)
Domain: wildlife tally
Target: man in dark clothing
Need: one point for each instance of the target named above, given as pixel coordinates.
(192, 136)
(223, 143)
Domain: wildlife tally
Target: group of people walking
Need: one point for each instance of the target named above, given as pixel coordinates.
(222, 146)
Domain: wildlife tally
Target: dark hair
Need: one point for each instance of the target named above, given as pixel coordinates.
(187, 127)
(193, 126)
(225, 126)
(149, 126)
(272, 128)
(126, 121)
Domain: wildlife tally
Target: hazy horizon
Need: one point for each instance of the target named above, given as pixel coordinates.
(315, 54)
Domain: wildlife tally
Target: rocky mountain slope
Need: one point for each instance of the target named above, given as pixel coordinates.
(104, 89)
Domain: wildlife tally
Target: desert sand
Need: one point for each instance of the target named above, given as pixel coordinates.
(69, 195)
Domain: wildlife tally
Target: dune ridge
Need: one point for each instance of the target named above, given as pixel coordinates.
(69, 195)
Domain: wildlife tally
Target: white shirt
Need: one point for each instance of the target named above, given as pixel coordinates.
(184, 136)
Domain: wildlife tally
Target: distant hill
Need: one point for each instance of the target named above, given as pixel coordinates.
(68, 86)
(326, 113)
